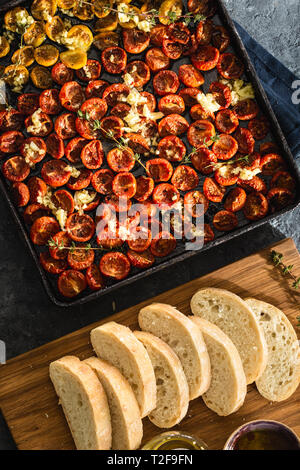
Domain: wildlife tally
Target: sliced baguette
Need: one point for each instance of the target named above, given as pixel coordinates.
(117, 344)
(126, 422)
(228, 387)
(181, 334)
(282, 374)
(236, 319)
(84, 403)
(172, 399)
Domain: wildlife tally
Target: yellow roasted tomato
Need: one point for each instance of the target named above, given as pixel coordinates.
(106, 39)
(35, 34)
(108, 23)
(17, 19)
(101, 7)
(79, 37)
(16, 76)
(43, 9)
(66, 4)
(170, 7)
(75, 59)
(54, 28)
(46, 55)
(129, 21)
(23, 56)
(4, 46)
(84, 11)
(41, 77)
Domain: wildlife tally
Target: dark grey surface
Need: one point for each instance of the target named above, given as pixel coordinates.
(27, 317)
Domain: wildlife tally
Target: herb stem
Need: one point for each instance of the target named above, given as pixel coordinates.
(277, 259)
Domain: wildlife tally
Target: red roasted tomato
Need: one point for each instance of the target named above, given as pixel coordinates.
(71, 96)
(135, 41)
(114, 60)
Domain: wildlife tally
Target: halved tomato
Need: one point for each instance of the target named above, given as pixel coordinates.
(71, 283)
(80, 182)
(204, 160)
(55, 146)
(61, 74)
(37, 188)
(120, 110)
(226, 121)
(268, 147)
(185, 178)
(62, 199)
(246, 109)
(28, 103)
(171, 104)
(72, 96)
(65, 126)
(179, 32)
(39, 124)
(230, 67)
(225, 221)
(256, 206)
(212, 190)
(225, 175)
(91, 71)
(245, 140)
(283, 179)
(11, 141)
(174, 124)
(55, 173)
(141, 260)
(198, 113)
(95, 89)
(34, 212)
(205, 58)
(135, 41)
(106, 39)
(35, 34)
(92, 155)
(165, 194)
(81, 258)
(157, 60)
(16, 169)
(102, 181)
(139, 239)
(200, 133)
(190, 76)
(80, 227)
(74, 148)
(52, 265)
(49, 101)
(279, 198)
(259, 128)
(23, 56)
(114, 60)
(11, 120)
(203, 7)
(61, 239)
(256, 184)
(112, 127)
(43, 229)
(165, 82)
(271, 163)
(115, 93)
(124, 184)
(235, 200)
(163, 244)
(94, 278)
(159, 169)
(172, 49)
(20, 194)
(115, 265)
(221, 93)
(41, 77)
(94, 108)
(137, 143)
(120, 160)
(220, 37)
(204, 32)
(144, 188)
(225, 147)
(196, 203)
(171, 148)
(46, 55)
(158, 33)
(139, 72)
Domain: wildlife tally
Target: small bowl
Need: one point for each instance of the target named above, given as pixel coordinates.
(272, 435)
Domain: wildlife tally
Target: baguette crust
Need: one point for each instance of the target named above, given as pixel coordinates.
(236, 319)
(174, 328)
(282, 374)
(127, 427)
(117, 344)
(218, 343)
(90, 428)
(172, 386)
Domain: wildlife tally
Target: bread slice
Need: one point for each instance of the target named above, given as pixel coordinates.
(228, 387)
(282, 374)
(84, 403)
(186, 340)
(126, 422)
(172, 400)
(236, 319)
(117, 344)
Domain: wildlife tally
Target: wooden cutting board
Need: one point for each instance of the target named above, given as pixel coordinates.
(29, 404)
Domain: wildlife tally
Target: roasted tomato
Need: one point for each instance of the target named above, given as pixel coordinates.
(174, 124)
(172, 49)
(226, 121)
(135, 41)
(213, 191)
(55, 173)
(11, 120)
(95, 89)
(120, 159)
(225, 147)
(235, 200)
(225, 175)
(203, 7)
(158, 33)
(35, 34)
(185, 178)
(251, 162)
(112, 127)
(20, 194)
(256, 206)
(204, 32)
(165, 194)
(92, 155)
(200, 133)
(120, 110)
(284, 180)
(225, 221)
(72, 96)
(157, 60)
(62, 199)
(167, 7)
(205, 58)
(94, 278)
(245, 140)
(220, 38)
(144, 188)
(139, 73)
(137, 143)
(43, 229)
(116, 93)
(109, 22)
(34, 212)
(87, 129)
(46, 55)
(115, 265)
(114, 60)
(190, 76)
(61, 74)
(61, 239)
(159, 169)
(150, 102)
(171, 104)
(81, 37)
(102, 181)
(163, 244)
(204, 160)
(39, 124)
(246, 109)
(33, 150)
(37, 188)
(119, 204)
(16, 169)
(230, 67)
(198, 113)
(55, 146)
(91, 71)
(80, 227)
(74, 148)
(49, 101)
(28, 103)
(11, 141)
(256, 184)
(109, 238)
(179, 32)
(189, 96)
(80, 182)
(4, 47)
(259, 128)
(106, 39)
(55, 28)
(84, 11)
(141, 260)
(124, 184)
(268, 147)
(65, 126)
(279, 198)
(41, 77)
(81, 258)
(52, 265)
(71, 283)
(271, 163)
(165, 82)
(171, 148)
(139, 239)
(221, 93)
(196, 203)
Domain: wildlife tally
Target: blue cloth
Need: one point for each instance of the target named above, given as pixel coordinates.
(277, 81)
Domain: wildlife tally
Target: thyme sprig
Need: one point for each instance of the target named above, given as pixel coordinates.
(73, 247)
(287, 270)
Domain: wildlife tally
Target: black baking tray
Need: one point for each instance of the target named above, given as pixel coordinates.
(176, 257)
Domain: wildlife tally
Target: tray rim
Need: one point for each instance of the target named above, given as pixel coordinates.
(263, 100)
